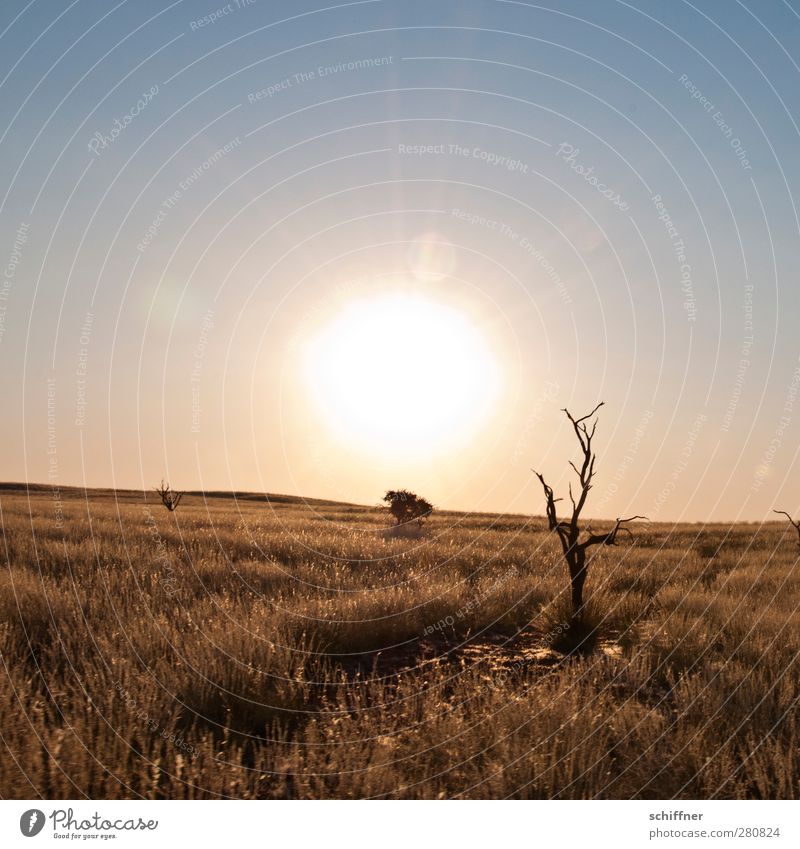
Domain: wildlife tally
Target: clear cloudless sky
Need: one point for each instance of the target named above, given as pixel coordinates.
(594, 200)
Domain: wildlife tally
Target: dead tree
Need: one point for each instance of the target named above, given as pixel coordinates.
(795, 525)
(169, 498)
(569, 530)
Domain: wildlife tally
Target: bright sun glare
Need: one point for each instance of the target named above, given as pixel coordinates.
(402, 373)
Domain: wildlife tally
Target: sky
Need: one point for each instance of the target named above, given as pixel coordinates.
(330, 250)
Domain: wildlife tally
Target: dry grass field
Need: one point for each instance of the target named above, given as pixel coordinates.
(252, 649)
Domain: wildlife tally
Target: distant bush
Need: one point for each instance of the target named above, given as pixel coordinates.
(407, 506)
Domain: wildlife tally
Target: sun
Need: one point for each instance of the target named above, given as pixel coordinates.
(402, 374)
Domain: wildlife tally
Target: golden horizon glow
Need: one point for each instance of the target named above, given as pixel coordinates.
(402, 373)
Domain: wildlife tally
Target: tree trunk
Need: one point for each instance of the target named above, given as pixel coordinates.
(577, 576)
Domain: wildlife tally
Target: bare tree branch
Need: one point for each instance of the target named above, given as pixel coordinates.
(795, 525)
(789, 517)
(552, 518)
(581, 431)
(611, 537)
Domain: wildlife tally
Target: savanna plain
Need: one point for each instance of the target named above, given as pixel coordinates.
(270, 647)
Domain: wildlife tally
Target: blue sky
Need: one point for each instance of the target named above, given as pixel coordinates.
(607, 190)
